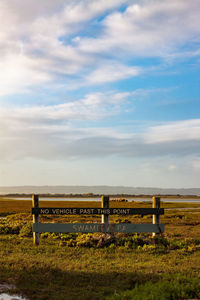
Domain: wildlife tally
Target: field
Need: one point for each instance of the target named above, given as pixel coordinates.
(86, 266)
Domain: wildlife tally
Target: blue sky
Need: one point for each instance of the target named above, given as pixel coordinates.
(100, 92)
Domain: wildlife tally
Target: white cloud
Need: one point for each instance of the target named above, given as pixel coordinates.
(149, 28)
(34, 44)
(112, 72)
(18, 72)
(91, 107)
(43, 42)
(175, 131)
(60, 132)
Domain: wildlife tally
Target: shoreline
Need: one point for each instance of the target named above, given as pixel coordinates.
(90, 195)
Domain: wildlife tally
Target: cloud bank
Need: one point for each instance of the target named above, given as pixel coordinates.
(93, 40)
(54, 132)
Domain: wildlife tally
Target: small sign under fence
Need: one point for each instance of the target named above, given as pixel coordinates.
(97, 227)
(104, 226)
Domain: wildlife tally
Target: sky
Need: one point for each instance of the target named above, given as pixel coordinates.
(100, 92)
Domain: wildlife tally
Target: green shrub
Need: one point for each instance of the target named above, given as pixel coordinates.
(5, 229)
(112, 246)
(160, 240)
(9, 229)
(26, 230)
(180, 287)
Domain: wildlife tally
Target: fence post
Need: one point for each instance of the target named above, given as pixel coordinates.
(105, 204)
(35, 204)
(156, 218)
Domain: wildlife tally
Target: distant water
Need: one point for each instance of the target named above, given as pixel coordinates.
(5, 296)
(98, 190)
(4, 293)
(189, 200)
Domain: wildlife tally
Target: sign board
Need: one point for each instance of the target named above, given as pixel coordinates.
(104, 227)
(97, 211)
(96, 227)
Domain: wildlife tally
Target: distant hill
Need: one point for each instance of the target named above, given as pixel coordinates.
(109, 190)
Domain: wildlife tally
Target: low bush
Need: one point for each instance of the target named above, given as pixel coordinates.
(169, 288)
(26, 230)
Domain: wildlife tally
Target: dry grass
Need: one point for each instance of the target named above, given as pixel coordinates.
(56, 271)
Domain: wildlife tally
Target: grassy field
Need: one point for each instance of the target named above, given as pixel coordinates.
(77, 266)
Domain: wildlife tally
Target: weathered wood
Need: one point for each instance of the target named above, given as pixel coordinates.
(104, 227)
(156, 218)
(96, 227)
(96, 211)
(105, 205)
(35, 205)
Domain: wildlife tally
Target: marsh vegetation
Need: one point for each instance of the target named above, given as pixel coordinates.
(92, 266)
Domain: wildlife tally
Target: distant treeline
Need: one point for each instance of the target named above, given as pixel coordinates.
(91, 195)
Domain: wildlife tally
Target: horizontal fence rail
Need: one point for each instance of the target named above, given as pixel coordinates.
(97, 211)
(104, 227)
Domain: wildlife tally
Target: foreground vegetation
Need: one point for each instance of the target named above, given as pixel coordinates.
(92, 266)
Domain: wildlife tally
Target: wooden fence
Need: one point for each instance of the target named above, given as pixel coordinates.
(105, 211)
